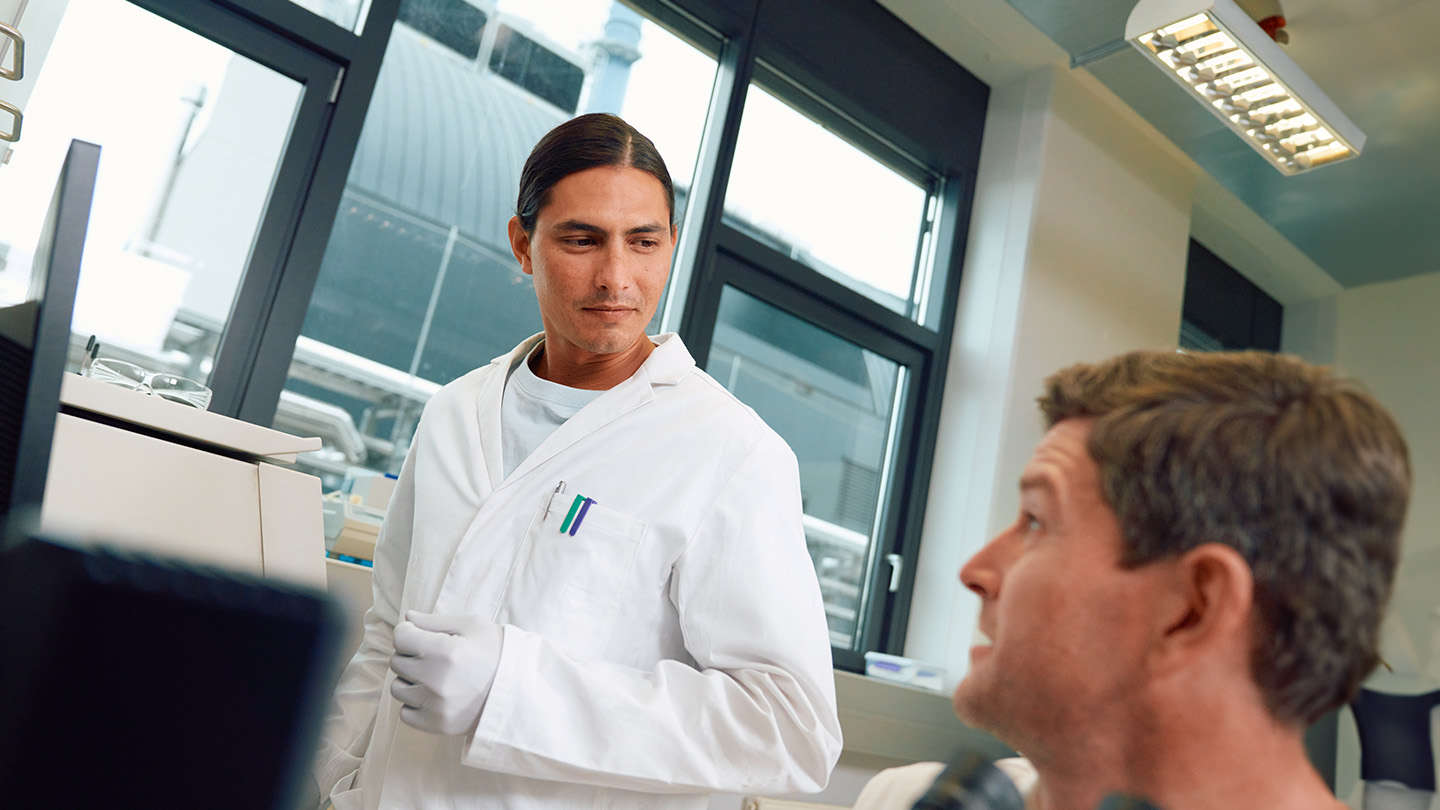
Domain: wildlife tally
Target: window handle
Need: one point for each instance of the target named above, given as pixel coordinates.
(897, 565)
(18, 72)
(14, 134)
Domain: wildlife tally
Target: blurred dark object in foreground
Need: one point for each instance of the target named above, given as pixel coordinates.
(129, 681)
(970, 782)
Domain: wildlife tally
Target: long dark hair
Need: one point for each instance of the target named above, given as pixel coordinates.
(595, 139)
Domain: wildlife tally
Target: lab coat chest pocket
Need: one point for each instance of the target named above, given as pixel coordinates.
(572, 585)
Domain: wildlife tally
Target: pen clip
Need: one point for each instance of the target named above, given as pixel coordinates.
(559, 489)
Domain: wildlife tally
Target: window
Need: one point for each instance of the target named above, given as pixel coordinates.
(1223, 310)
(453, 23)
(540, 70)
(821, 269)
(827, 204)
(190, 159)
(816, 277)
(417, 284)
(348, 14)
(379, 269)
(836, 404)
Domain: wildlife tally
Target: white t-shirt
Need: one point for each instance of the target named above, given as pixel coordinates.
(531, 408)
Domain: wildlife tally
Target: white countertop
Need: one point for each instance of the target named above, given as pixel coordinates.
(181, 420)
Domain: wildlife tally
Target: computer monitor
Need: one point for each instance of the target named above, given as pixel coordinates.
(129, 680)
(35, 337)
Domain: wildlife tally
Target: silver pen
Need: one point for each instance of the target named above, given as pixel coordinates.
(559, 489)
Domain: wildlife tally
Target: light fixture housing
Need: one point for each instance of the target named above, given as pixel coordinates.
(1226, 61)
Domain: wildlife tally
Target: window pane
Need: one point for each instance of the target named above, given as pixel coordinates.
(418, 285)
(811, 195)
(453, 23)
(832, 402)
(188, 156)
(350, 14)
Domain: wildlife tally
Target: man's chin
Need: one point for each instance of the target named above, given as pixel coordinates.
(612, 343)
(969, 703)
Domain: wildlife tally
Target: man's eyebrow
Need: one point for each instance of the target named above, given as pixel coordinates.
(586, 227)
(576, 225)
(1034, 481)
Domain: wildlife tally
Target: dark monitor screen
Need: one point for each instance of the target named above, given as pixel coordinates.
(35, 336)
(133, 681)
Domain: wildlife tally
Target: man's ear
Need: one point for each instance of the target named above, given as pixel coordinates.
(520, 245)
(1208, 608)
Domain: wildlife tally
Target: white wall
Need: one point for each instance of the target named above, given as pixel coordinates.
(1077, 252)
(1387, 336)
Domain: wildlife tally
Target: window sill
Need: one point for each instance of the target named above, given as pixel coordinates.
(904, 724)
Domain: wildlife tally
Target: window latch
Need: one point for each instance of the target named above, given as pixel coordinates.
(897, 565)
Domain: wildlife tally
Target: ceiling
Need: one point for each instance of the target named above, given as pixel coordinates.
(1369, 219)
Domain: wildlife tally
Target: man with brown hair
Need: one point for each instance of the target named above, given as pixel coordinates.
(1204, 549)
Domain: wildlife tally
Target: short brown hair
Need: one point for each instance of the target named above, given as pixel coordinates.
(1301, 471)
(586, 142)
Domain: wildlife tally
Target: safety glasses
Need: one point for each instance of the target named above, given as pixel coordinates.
(167, 386)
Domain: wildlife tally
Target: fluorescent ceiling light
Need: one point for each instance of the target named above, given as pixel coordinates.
(1213, 49)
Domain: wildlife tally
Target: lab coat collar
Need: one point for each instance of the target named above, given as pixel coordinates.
(668, 364)
(670, 361)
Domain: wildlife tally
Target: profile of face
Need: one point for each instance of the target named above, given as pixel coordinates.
(600, 256)
(1063, 626)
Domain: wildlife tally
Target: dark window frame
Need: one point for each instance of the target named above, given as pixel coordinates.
(808, 58)
(747, 266)
(940, 141)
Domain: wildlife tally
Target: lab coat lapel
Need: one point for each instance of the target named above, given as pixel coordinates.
(666, 365)
(606, 408)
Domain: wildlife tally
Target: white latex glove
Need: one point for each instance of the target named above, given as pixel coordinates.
(445, 665)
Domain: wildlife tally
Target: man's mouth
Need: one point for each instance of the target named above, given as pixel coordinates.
(608, 307)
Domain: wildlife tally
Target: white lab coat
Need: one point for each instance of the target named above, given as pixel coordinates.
(674, 646)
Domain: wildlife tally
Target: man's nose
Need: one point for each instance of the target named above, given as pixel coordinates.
(984, 572)
(615, 270)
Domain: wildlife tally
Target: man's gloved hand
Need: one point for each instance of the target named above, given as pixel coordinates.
(445, 665)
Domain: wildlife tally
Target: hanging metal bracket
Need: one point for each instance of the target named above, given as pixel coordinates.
(16, 73)
(14, 134)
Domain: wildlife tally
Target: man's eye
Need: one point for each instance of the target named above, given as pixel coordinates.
(1032, 523)
(580, 241)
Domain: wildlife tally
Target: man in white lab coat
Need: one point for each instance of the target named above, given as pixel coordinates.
(592, 587)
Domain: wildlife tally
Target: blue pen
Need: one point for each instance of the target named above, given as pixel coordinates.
(584, 507)
(578, 508)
